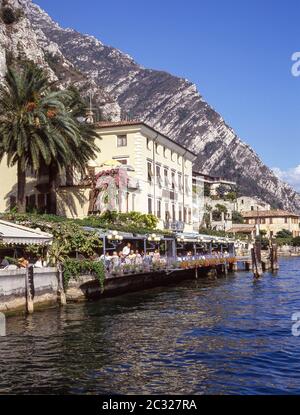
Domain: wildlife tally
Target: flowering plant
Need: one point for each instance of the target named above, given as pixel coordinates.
(208, 262)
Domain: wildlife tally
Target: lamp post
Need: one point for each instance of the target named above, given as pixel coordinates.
(199, 241)
(180, 241)
(153, 239)
(114, 238)
(258, 223)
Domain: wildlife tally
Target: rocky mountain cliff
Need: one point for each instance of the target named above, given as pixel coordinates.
(170, 104)
(19, 40)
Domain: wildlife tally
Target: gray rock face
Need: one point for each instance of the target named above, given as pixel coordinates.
(170, 104)
(20, 40)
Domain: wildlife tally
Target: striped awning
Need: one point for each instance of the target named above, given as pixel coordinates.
(13, 234)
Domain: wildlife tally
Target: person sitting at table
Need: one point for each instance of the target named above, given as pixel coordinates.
(39, 263)
(23, 262)
(156, 256)
(138, 258)
(4, 263)
(115, 260)
(132, 257)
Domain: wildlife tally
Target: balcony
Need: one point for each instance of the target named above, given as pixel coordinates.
(176, 225)
(133, 184)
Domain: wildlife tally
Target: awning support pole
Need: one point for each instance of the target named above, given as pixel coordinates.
(29, 299)
(61, 296)
(104, 245)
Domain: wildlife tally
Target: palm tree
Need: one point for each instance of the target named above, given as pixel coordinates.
(38, 127)
(81, 155)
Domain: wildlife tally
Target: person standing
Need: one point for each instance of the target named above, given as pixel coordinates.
(126, 250)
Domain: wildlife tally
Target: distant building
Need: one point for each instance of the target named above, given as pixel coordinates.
(246, 203)
(214, 183)
(243, 229)
(216, 205)
(273, 221)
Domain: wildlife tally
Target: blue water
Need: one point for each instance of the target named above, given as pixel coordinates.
(225, 336)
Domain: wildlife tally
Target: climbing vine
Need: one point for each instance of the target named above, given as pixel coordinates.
(74, 268)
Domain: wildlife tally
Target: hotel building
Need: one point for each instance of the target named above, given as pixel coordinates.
(160, 181)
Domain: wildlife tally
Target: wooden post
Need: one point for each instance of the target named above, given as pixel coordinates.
(256, 260)
(61, 296)
(28, 285)
(212, 273)
(196, 273)
(274, 257)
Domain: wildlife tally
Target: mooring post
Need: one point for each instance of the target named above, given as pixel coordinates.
(196, 273)
(61, 296)
(29, 281)
(274, 256)
(256, 260)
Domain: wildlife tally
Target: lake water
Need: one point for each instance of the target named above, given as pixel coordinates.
(229, 336)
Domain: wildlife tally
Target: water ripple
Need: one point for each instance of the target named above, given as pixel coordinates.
(228, 336)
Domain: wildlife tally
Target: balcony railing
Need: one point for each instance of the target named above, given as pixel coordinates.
(174, 225)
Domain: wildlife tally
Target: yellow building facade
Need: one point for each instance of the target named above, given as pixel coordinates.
(160, 178)
(160, 174)
(273, 221)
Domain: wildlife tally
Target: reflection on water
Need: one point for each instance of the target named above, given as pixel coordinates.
(232, 335)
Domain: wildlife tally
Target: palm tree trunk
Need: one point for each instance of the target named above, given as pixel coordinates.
(21, 200)
(53, 172)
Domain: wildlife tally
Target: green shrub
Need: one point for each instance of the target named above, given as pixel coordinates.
(285, 233)
(296, 241)
(74, 268)
(237, 217)
(12, 261)
(283, 241)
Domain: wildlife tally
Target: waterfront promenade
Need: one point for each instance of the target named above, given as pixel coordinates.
(44, 286)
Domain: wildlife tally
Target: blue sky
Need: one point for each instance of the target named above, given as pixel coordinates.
(238, 53)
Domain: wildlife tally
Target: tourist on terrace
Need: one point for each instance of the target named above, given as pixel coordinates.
(121, 258)
(39, 263)
(23, 262)
(4, 263)
(132, 257)
(138, 258)
(115, 260)
(106, 260)
(148, 258)
(126, 250)
(156, 256)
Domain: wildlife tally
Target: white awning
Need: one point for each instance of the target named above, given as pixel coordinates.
(13, 234)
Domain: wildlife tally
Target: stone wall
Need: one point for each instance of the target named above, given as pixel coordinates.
(13, 288)
(87, 287)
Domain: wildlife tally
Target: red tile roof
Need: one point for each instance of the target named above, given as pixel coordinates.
(275, 213)
(123, 123)
(242, 229)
